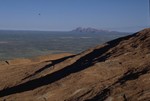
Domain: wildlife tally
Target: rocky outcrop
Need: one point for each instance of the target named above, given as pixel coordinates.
(92, 30)
(118, 70)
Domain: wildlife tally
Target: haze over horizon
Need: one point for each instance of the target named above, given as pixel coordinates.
(56, 15)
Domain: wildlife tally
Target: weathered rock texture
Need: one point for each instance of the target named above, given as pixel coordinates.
(118, 70)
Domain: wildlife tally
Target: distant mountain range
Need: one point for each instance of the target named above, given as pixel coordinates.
(92, 30)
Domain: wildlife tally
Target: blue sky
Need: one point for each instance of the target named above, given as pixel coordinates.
(61, 15)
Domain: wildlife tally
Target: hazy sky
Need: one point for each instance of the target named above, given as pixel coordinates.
(119, 15)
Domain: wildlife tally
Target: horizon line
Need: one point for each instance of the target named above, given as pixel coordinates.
(6, 29)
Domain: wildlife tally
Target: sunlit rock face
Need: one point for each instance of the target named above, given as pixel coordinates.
(118, 70)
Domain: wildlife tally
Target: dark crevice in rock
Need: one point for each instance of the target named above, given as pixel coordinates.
(102, 95)
(7, 62)
(132, 75)
(49, 65)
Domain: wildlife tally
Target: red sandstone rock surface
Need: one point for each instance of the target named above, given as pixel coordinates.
(118, 70)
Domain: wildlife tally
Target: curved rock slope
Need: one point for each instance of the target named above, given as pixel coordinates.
(118, 70)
